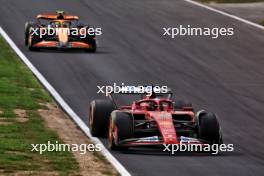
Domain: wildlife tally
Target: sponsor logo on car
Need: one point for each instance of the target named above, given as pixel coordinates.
(149, 139)
(188, 139)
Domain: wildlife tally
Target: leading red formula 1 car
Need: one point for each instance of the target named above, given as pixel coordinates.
(59, 31)
(152, 120)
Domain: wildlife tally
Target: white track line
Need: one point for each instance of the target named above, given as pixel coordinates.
(119, 167)
(226, 14)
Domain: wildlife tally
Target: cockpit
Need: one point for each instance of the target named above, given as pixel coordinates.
(155, 105)
(60, 24)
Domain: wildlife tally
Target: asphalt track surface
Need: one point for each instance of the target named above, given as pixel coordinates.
(223, 75)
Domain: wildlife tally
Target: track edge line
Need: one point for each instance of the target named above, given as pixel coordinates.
(117, 165)
(226, 14)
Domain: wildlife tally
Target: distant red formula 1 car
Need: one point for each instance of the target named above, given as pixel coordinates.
(153, 120)
(69, 33)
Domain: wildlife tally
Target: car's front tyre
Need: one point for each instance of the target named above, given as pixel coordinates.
(120, 128)
(99, 114)
(209, 128)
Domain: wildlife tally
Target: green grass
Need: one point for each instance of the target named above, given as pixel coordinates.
(231, 1)
(20, 90)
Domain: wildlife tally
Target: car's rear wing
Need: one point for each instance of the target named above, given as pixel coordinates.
(57, 15)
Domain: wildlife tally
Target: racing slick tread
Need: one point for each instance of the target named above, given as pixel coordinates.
(209, 128)
(124, 124)
(98, 119)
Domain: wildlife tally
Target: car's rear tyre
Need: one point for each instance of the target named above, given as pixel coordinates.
(32, 48)
(28, 28)
(93, 48)
(28, 25)
(33, 39)
(120, 128)
(209, 128)
(89, 39)
(99, 114)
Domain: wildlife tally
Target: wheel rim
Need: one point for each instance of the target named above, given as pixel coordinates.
(90, 120)
(30, 41)
(110, 135)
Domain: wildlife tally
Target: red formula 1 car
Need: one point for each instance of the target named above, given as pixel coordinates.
(153, 120)
(58, 30)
